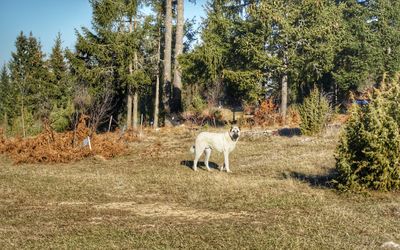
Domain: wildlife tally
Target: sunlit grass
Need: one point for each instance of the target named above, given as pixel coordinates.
(276, 197)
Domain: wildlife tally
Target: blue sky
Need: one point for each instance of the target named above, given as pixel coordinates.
(45, 18)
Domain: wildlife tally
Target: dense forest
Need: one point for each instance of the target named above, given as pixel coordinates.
(156, 65)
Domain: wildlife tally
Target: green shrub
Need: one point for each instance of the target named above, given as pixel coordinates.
(32, 126)
(60, 117)
(368, 153)
(198, 104)
(314, 113)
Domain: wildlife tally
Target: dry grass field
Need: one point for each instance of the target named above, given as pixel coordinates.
(277, 197)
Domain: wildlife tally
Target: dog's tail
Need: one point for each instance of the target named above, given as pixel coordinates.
(192, 149)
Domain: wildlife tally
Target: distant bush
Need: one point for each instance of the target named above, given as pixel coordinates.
(314, 113)
(60, 117)
(268, 114)
(293, 116)
(210, 116)
(31, 125)
(368, 155)
(198, 104)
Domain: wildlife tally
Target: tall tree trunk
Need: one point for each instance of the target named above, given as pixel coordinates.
(284, 85)
(157, 94)
(177, 93)
(135, 95)
(284, 94)
(167, 56)
(157, 101)
(135, 109)
(129, 93)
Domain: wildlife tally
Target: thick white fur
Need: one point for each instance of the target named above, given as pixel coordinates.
(222, 142)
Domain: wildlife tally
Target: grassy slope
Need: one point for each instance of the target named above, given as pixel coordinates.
(275, 198)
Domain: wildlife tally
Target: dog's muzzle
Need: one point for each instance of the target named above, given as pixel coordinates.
(235, 136)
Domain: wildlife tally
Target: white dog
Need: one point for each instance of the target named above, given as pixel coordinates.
(222, 142)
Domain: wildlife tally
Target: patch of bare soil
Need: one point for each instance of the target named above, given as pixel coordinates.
(169, 210)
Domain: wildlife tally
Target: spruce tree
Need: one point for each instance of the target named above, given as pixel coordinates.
(358, 60)
(6, 98)
(60, 84)
(108, 61)
(30, 79)
(61, 88)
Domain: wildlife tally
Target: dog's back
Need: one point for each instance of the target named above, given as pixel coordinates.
(217, 141)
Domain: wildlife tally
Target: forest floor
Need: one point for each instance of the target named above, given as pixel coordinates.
(278, 197)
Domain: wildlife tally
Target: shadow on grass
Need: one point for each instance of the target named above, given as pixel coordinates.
(289, 132)
(200, 164)
(321, 181)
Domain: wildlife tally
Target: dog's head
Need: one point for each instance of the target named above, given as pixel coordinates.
(234, 133)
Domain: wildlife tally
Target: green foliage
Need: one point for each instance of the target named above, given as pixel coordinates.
(244, 85)
(32, 125)
(60, 86)
(198, 104)
(6, 97)
(368, 155)
(29, 75)
(60, 117)
(314, 113)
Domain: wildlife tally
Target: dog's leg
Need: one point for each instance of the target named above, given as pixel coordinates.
(197, 153)
(207, 157)
(226, 162)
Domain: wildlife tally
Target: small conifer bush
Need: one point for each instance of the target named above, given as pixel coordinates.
(314, 113)
(368, 154)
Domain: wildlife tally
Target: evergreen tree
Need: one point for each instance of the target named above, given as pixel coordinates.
(358, 61)
(385, 21)
(60, 83)
(6, 97)
(292, 43)
(30, 78)
(61, 88)
(256, 46)
(368, 155)
(314, 113)
(108, 61)
(203, 68)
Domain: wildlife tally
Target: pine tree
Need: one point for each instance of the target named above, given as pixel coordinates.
(59, 74)
(385, 21)
(30, 78)
(358, 61)
(314, 113)
(292, 43)
(61, 88)
(108, 61)
(258, 46)
(368, 155)
(6, 97)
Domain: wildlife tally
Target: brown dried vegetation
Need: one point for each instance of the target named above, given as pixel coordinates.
(50, 146)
